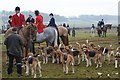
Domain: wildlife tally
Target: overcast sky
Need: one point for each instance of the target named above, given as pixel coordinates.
(64, 7)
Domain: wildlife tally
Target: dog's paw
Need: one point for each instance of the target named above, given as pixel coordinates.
(40, 75)
(66, 73)
(73, 72)
(87, 66)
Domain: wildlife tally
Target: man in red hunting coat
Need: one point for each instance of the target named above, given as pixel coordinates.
(18, 19)
(39, 22)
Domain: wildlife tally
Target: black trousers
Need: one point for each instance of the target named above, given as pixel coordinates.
(18, 64)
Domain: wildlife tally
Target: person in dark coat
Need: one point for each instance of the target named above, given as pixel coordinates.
(102, 23)
(52, 24)
(14, 45)
(30, 19)
(73, 32)
(68, 29)
(10, 21)
(52, 21)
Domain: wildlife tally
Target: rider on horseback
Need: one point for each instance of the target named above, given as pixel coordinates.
(39, 22)
(18, 19)
(52, 24)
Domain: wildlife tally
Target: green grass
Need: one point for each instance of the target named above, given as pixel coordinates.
(55, 70)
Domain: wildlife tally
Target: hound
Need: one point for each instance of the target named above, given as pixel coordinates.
(92, 52)
(47, 52)
(66, 59)
(33, 62)
(117, 57)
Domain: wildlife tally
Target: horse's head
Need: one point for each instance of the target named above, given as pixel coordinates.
(32, 30)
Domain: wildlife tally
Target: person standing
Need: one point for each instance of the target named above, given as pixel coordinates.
(68, 27)
(30, 19)
(73, 32)
(14, 45)
(18, 19)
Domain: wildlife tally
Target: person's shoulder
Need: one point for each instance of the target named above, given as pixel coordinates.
(40, 16)
(21, 14)
(14, 15)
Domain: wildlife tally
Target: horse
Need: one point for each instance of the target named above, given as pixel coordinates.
(49, 35)
(102, 31)
(63, 34)
(26, 33)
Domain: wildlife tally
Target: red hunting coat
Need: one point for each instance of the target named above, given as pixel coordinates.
(39, 22)
(18, 21)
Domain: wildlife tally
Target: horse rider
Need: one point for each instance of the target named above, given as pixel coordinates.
(93, 26)
(14, 46)
(10, 21)
(53, 24)
(39, 22)
(30, 19)
(102, 23)
(18, 19)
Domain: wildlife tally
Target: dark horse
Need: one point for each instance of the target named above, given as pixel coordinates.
(102, 31)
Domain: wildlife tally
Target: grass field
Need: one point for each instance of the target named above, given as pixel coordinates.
(55, 70)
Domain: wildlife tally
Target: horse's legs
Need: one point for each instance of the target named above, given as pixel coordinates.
(62, 38)
(65, 40)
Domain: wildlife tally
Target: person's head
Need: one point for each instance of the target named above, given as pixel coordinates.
(51, 15)
(14, 30)
(67, 25)
(64, 24)
(17, 9)
(10, 17)
(102, 19)
(36, 13)
(92, 24)
(30, 16)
